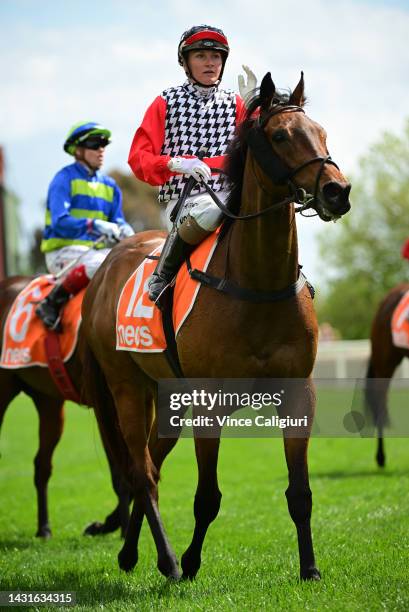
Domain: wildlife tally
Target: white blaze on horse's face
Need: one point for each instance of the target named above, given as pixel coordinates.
(297, 139)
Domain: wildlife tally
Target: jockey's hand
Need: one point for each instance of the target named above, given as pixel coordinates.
(125, 230)
(192, 167)
(246, 88)
(108, 229)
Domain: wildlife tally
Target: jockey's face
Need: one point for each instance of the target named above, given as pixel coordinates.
(205, 66)
(93, 158)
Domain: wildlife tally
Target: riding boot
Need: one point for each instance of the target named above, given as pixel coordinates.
(49, 309)
(177, 245)
(170, 260)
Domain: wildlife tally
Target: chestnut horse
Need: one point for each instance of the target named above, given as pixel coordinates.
(383, 361)
(38, 384)
(224, 337)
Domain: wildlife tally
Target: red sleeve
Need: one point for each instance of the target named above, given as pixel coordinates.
(144, 157)
(405, 250)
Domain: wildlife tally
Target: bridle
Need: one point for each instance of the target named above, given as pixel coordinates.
(276, 170)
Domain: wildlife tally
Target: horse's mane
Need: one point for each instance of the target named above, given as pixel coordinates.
(236, 154)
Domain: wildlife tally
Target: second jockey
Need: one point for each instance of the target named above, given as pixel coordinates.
(180, 123)
(82, 205)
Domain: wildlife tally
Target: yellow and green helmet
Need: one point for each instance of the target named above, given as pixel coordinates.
(83, 130)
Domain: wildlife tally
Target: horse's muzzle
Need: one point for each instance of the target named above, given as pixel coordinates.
(335, 198)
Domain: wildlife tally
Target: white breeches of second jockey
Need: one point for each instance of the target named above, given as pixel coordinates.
(91, 258)
(202, 208)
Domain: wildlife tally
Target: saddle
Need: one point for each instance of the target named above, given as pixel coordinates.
(27, 342)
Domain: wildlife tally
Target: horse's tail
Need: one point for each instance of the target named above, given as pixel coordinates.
(96, 393)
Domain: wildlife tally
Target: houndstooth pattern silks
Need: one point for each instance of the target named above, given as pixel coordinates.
(194, 122)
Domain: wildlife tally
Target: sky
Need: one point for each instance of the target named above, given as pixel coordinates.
(66, 61)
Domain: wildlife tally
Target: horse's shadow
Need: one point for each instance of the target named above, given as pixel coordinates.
(104, 589)
(380, 472)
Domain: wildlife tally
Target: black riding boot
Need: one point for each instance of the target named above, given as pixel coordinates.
(171, 258)
(49, 309)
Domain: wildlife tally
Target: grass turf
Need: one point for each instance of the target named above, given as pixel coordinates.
(250, 559)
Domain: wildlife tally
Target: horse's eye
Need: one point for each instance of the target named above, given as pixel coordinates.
(279, 136)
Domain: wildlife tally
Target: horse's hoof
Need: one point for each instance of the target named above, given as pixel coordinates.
(168, 566)
(94, 529)
(126, 561)
(44, 532)
(380, 460)
(190, 566)
(312, 573)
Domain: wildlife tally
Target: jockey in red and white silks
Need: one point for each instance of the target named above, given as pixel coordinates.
(179, 124)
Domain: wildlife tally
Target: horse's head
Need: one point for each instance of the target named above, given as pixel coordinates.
(291, 148)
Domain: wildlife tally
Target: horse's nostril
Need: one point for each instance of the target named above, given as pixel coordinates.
(335, 192)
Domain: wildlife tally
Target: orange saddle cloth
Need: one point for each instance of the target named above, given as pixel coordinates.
(24, 333)
(400, 323)
(139, 325)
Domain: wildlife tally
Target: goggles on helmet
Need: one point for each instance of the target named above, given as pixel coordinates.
(203, 37)
(83, 132)
(94, 142)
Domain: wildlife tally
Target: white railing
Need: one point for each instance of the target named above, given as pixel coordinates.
(347, 359)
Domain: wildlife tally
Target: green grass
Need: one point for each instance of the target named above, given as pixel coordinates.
(250, 559)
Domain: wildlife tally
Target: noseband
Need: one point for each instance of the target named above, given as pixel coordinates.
(276, 170)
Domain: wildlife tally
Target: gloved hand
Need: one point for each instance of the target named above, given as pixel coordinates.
(246, 88)
(125, 230)
(192, 167)
(108, 229)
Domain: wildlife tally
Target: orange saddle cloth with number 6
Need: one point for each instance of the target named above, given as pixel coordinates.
(24, 333)
(139, 325)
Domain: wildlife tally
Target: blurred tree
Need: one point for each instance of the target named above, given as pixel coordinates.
(140, 202)
(36, 259)
(363, 260)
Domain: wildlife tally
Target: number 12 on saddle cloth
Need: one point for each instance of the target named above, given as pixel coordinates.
(139, 325)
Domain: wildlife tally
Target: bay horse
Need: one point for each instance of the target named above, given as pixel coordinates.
(384, 358)
(272, 158)
(38, 384)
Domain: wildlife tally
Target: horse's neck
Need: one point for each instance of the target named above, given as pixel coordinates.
(264, 251)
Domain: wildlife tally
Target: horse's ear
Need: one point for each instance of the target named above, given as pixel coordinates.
(267, 91)
(297, 98)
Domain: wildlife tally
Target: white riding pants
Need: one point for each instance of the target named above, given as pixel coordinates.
(202, 208)
(90, 258)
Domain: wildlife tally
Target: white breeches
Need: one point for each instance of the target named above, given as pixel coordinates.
(202, 208)
(91, 258)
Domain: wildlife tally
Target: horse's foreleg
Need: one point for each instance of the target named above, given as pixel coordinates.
(51, 414)
(299, 500)
(207, 502)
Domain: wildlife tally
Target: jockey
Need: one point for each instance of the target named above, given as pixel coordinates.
(179, 123)
(82, 205)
